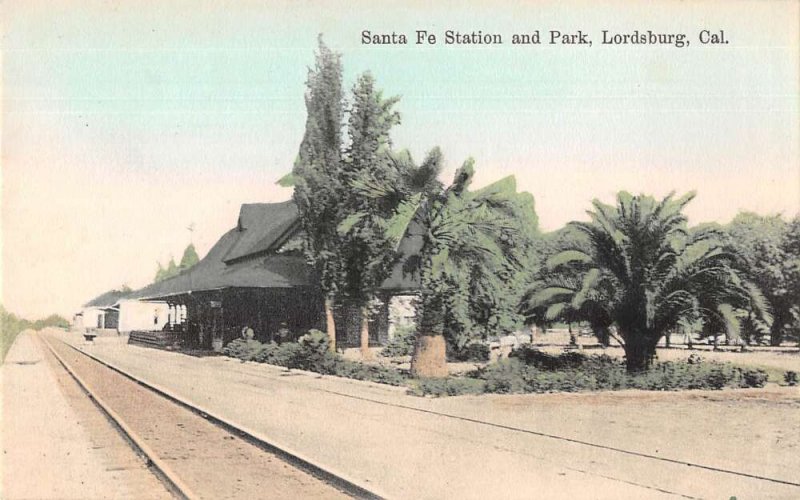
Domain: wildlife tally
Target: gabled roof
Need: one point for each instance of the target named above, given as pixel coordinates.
(261, 227)
(108, 298)
(246, 257)
(241, 259)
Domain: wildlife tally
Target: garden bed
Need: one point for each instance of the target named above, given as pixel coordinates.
(528, 370)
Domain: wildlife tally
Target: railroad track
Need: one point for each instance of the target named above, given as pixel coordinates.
(342, 484)
(194, 454)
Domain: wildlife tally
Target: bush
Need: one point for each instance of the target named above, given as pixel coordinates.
(290, 355)
(311, 353)
(477, 352)
(791, 379)
(506, 376)
(550, 362)
(590, 373)
(402, 344)
(455, 386)
(754, 377)
(243, 349)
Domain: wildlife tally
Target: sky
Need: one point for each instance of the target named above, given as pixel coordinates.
(124, 122)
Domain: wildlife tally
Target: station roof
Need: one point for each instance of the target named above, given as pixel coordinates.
(247, 257)
(108, 298)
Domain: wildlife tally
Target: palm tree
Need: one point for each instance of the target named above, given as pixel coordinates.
(638, 264)
(461, 235)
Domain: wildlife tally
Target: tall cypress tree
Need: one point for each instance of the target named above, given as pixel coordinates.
(367, 253)
(318, 183)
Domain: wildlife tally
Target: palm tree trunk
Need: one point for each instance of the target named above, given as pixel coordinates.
(639, 352)
(430, 351)
(430, 357)
(365, 352)
(330, 324)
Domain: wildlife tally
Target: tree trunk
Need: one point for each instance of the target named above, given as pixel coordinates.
(776, 331)
(365, 352)
(668, 340)
(603, 335)
(330, 324)
(430, 349)
(639, 353)
(430, 357)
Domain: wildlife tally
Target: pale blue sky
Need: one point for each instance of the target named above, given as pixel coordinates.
(124, 122)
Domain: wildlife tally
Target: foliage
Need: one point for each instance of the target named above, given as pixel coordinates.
(317, 175)
(368, 254)
(310, 352)
(593, 373)
(453, 386)
(243, 349)
(471, 249)
(550, 362)
(507, 376)
(791, 378)
(163, 273)
(189, 259)
(54, 320)
(770, 248)
(11, 325)
(475, 351)
(639, 265)
(402, 344)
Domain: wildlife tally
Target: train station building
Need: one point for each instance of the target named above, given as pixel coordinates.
(255, 277)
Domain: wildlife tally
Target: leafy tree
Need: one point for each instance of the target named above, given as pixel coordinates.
(368, 255)
(771, 261)
(639, 265)
(170, 271)
(317, 176)
(791, 248)
(54, 320)
(11, 325)
(189, 258)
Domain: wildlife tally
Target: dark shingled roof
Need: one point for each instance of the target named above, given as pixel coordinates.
(262, 226)
(107, 299)
(246, 257)
(237, 259)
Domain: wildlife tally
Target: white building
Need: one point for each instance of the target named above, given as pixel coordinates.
(140, 315)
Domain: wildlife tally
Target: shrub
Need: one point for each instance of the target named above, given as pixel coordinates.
(476, 352)
(315, 342)
(402, 344)
(506, 376)
(311, 353)
(605, 373)
(243, 349)
(360, 371)
(289, 354)
(754, 377)
(266, 353)
(455, 386)
(790, 377)
(550, 362)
